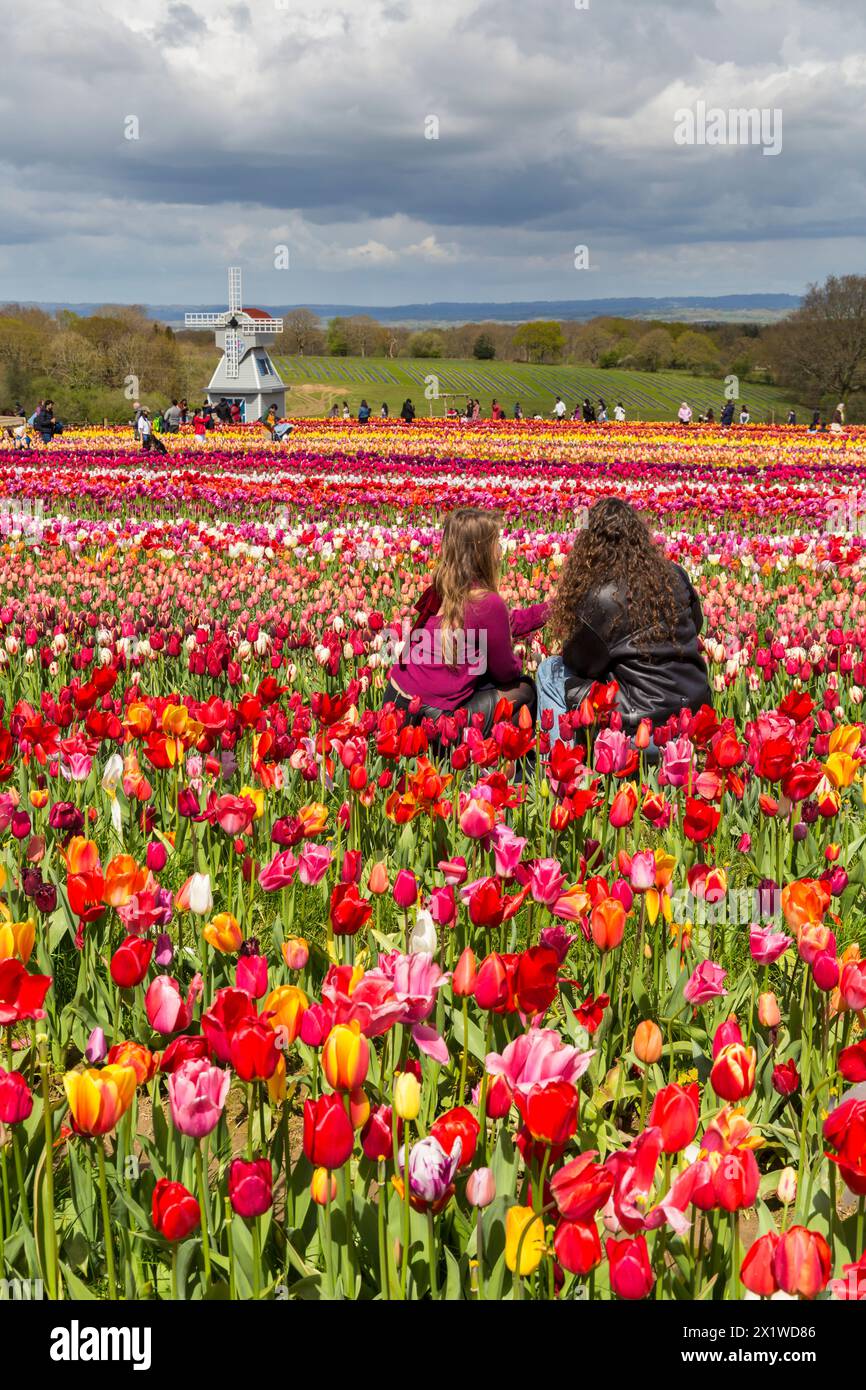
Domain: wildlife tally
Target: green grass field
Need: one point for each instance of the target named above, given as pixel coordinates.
(317, 382)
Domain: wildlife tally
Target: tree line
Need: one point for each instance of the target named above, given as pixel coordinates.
(95, 367)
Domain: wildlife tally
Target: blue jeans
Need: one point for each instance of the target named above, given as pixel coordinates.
(550, 681)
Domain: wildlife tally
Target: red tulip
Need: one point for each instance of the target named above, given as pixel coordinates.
(631, 1276)
(756, 1271)
(581, 1187)
(175, 1211)
(21, 994)
(577, 1246)
(253, 1052)
(802, 1262)
(460, 1124)
(349, 910)
(130, 961)
(550, 1111)
(675, 1111)
(218, 1023)
(328, 1134)
(733, 1073)
(16, 1100)
(735, 1179)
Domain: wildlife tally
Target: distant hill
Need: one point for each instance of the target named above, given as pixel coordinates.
(740, 308)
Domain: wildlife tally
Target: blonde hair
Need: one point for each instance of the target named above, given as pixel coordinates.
(467, 562)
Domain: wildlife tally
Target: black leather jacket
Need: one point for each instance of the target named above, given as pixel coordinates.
(606, 646)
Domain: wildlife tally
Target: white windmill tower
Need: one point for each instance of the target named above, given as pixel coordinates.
(246, 373)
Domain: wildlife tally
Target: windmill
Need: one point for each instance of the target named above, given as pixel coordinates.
(245, 373)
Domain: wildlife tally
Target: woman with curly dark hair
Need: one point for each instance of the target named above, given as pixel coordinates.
(623, 612)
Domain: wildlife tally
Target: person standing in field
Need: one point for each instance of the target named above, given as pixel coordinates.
(407, 414)
(727, 417)
(745, 417)
(559, 408)
(384, 412)
(684, 414)
(619, 412)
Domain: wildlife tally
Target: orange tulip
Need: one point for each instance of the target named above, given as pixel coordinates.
(135, 1055)
(99, 1098)
(123, 879)
(804, 901)
(607, 923)
(313, 818)
(647, 1044)
(284, 1008)
(223, 933)
(81, 856)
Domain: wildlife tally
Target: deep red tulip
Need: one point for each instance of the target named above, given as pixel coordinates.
(251, 1186)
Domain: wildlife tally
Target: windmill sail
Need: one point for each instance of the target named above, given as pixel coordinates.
(235, 300)
(232, 352)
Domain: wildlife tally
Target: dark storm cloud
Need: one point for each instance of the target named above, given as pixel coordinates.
(303, 122)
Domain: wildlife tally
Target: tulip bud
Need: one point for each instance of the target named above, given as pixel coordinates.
(378, 880)
(647, 1044)
(200, 896)
(296, 952)
(156, 856)
(481, 1187)
(786, 1188)
(323, 1187)
(405, 889)
(463, 979)
(96, 1047)
(768, 1010)
(407, 1096)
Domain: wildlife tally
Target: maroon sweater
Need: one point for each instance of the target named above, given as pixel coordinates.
(483, 652)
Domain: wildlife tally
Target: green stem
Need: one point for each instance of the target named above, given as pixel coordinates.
(106, 1220)
(203, 1203)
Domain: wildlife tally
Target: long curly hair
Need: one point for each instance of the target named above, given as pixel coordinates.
(617, 548)
(468, 561)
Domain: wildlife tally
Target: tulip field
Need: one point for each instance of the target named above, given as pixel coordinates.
(300, 1001)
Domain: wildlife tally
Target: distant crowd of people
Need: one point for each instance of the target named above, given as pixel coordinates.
(43, 425)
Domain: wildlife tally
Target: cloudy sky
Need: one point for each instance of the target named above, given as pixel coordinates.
(304, 124)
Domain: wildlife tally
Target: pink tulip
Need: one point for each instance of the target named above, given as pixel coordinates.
(197, 1093)
(313, 863)
(706, 982)
(546, 881)
(537, 1058)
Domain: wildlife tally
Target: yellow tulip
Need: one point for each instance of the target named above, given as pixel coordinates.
(223, 933)
(407, 1096)
(16, 939)
(524, 1231)
(257, 797)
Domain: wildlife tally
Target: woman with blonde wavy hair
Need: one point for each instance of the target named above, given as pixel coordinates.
(459, 653)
